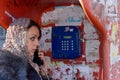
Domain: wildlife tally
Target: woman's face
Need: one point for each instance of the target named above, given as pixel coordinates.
(33, 39)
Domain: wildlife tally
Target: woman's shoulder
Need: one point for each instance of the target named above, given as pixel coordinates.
(11, 65)
(11, 59)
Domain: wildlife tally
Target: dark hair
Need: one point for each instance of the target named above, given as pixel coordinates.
(33, 23)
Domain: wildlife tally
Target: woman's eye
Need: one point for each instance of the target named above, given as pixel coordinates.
(32, 38)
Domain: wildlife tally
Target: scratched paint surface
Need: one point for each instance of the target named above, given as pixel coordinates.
(87, 67)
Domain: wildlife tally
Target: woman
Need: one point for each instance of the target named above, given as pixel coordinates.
(17, 54)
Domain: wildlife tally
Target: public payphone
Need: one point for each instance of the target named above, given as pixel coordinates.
(66, 42)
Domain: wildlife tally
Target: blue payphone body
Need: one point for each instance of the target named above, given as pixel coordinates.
(66, 42)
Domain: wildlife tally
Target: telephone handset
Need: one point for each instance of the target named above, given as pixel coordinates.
(40, 62)
(37, 60)
(66, 42)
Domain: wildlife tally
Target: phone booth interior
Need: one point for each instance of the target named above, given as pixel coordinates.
(74, 36)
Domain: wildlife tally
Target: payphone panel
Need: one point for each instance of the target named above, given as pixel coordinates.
(66, 42)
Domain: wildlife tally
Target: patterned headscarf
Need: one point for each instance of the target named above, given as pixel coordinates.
(16, 38)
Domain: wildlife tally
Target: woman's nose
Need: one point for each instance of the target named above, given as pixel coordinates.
(37, 43)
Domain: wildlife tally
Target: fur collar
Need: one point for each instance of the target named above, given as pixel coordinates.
(12, 67)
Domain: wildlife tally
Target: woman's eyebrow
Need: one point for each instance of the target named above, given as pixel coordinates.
(35, 35)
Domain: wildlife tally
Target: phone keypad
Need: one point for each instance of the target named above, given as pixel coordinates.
(67, 45)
